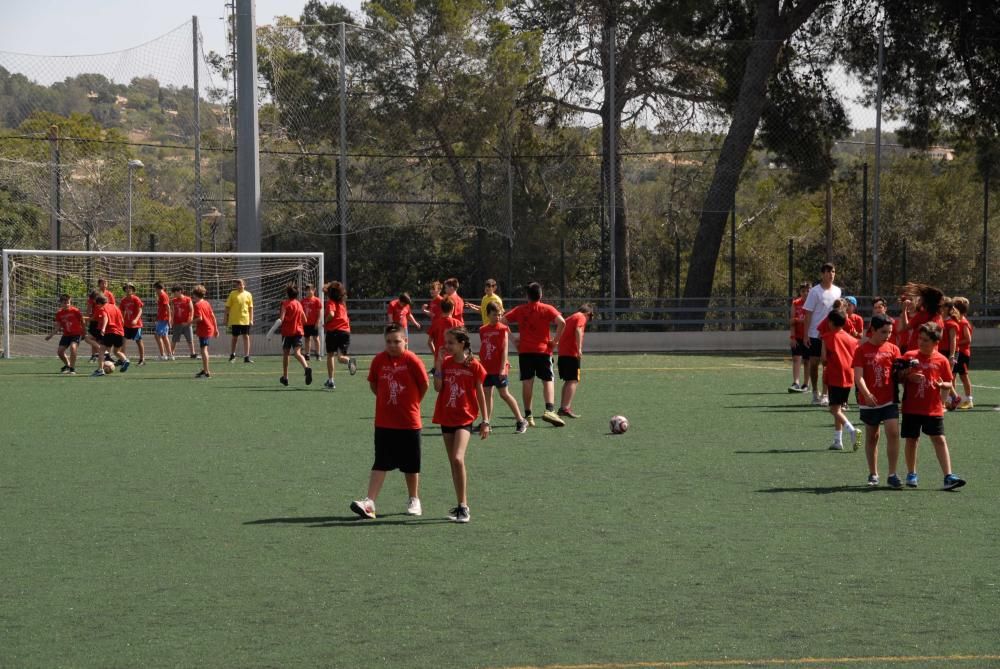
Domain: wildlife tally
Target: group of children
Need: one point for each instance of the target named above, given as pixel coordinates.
(924, 350)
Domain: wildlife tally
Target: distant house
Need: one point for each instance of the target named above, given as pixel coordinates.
(941, 153)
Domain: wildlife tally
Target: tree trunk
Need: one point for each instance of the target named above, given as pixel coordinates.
(760, 63)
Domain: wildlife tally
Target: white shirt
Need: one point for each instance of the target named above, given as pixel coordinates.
(819, 302)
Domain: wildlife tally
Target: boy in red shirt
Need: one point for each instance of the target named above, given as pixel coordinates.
(494, 343)
(570, 347)
(292, 320)
(337, 325)
(926, 380)
(111, 326)
(960, 365)
(131, 307)
(93, 336)
(399, 312)
(398, 380)
(163, 321)
(838, 356)
(69, 321)
(312, 306)
(534, 349)
(438, 327)
(206, 327)
(459, 384)
(797, 339)
(182, 310)
(876, 392)
(855, 325)
(433, 308)
(451, 292)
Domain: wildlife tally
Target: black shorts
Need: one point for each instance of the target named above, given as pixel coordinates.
(495, 381)
(310, 331)
(397, 449)
(338, 341)
(238, 330)
(94, 330)
(913, 423)
(815, 347)
(962, 364)
(535, 364)
(799, 348)
(290, 343)
(452, 429)
(179, 331)
(839, 394)
(569, 368)
(876, 417)
(133, 334)
(112, 340)
(66, 340)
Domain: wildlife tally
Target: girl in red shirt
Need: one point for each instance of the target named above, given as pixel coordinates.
(459, 384)
(337, 325)
(494, 347)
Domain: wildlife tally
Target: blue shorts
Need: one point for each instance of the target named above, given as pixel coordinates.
(162, 328)
(133, 334)
(204, 341)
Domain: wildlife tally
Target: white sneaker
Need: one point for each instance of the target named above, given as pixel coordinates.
(363, 507)
(172, 357)
(853, 437)
(824, 401)
(413, 508)
(816, 400)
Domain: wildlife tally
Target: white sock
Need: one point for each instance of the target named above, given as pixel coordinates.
(849, 427)
(969, 398)
(838, 437)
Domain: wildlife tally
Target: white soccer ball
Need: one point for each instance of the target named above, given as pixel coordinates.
(619, 424)
(109, 367)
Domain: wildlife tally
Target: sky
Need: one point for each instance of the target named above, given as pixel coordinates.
(71, 27)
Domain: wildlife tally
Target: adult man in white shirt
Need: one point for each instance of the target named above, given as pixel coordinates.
(819, 301)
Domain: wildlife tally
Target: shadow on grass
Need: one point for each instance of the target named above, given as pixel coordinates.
(828, 490)
(772, 451)
(349, 521)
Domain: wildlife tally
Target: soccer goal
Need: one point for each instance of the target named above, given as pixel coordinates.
(33, 281)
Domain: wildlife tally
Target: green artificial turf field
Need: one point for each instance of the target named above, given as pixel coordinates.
(151, 520)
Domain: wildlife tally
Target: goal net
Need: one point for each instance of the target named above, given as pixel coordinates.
(33, 281)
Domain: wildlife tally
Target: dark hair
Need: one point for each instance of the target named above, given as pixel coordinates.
(158, 285)
(100, 299)
(390, 328)
(930, 297)
(309, 286)
(932, 330)
(461, 335)
(805, 285)
(335, 291)
(828, 267)
(447, 306)
(451, 282)
(585, 308)
(292, 291)
(404, 298)
(199, 291)
(102, 280)
(879, 321)
(837, 318)
(64, 297)
(876, 300)
(534, 291)
(492, 283)
(492, 308)
(176, 289)
(961, 305)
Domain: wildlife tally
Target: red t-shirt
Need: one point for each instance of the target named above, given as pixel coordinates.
(950, 325)
(400, 385)
(338, 318)
(439, 328)
(456, 402)
(823, 327)
(459, 312)
(71, 321)
(914, 324)
(840, 348)
(313, 308)
(111, 296)
(491, 344)
(567, 343)
(435, 307)
(398, 312)
(293, 318)
(799, 314)
(876, 365)
(116, 323)
(207, 326)
(965, 332)
(183, 310)
(162, 306)
(131, 307)
(534, 320)
(920, 397)
(855, 325)
(92, 306)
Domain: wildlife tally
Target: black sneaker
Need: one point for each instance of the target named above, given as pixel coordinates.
(124, 366)
(201, 375)
(232, 357)
(520, 427)
(459, 514)
(247, 360)
(284, 380)
(93, 358)
(65, 368)
(309, 376)
(194, 356)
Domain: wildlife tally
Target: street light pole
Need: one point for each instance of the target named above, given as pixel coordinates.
(132, 166)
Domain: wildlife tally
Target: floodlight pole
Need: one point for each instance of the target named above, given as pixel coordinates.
(878, 158)
(6, 306)
(612, 185)
(133, 165)
(198, 195)
(247, 139)
(342, 163)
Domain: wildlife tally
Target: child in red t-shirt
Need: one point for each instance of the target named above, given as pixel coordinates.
(337, 325)
(570, 347)
(876, 392)
(960, 366)
(398, 380)
(837, 356)
(291, 319)
(433, 308)
(926, 381)
(111, 327)
(438, 327)
(205, 325)
(69, 322)
(181, 313)
(459, 384)
(131, 307)
(494, 346)
(164, 320)
(313, 308)
(797, 338)
(399, 311)
(855, 325)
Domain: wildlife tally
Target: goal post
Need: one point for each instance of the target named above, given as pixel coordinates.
(33, 281)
